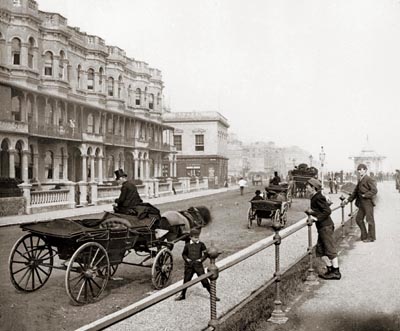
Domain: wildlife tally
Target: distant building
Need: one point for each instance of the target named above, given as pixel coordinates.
(200, 139)
(369, 157)
(235, 155)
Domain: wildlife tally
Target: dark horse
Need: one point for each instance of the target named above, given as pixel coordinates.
(179, 223)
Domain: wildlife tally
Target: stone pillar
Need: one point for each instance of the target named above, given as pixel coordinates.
(92, 170)
(12, 152)
(141, 169)
(100, 168)
(26, 188)
(83, 185)
(56, 169)
(24, 169)
(169, 181)
(147, 168)
(93, 190)
(65, 169)
(71, 193)
(35, 166)
(174, 168)
(24, 54)
(197, 184)
(156, 187)
(84, 170)
(171, 168)
(136, 168)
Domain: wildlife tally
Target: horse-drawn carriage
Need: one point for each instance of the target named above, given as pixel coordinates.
(300, 176)
(274, 206)
(92, 250)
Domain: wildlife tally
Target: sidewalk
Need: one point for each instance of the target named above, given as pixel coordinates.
(367, 296)
(40, 217)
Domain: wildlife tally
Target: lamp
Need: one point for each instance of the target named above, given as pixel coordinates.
(322, 160)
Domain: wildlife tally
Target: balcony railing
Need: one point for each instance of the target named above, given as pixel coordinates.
(119, 140)
(55, 131)
(158, 145)
(13, 126)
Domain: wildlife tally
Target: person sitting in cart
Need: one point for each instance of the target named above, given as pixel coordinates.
(257, 196)
(129, 201)
(276, 180)
(194, 254)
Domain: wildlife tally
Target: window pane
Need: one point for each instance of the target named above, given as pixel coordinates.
(178, 142)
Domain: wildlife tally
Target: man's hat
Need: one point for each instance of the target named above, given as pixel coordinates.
(195, 232)
(362, 166)
(315, 183)
(258, 192)
(120, 173)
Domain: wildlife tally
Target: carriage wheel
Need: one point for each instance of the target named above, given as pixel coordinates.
(249, 218)
(162, 268)
(30, 263)
(87, 273)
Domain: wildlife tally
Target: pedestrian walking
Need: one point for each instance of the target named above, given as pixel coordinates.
(326, 246)
(330, 182)
(397, 178)
(194, 254)
(365, 193)
(242, 184)
(335, 184)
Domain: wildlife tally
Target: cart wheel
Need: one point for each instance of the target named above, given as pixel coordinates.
(30, 263)
(115, 223)
(249, 218)
(87, 273)
(258, 221)
(162, 268)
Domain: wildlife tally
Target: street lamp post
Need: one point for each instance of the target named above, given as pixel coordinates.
(322, 160)
(311, 158)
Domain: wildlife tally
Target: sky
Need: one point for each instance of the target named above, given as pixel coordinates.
(309, 73)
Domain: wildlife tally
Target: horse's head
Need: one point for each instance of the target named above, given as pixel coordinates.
(205, 214)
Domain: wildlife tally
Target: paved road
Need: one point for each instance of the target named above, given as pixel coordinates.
(367, 298)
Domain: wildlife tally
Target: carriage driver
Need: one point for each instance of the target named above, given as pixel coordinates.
(129, 197)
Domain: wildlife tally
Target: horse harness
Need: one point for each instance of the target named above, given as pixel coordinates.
(194, 217)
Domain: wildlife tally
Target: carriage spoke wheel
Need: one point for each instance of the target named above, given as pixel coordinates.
(250, 218)
(30, 263)
(284, 217)
(113, 270)
(87, 273)
(162, 268)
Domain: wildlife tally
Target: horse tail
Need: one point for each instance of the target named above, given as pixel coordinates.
(205, 214)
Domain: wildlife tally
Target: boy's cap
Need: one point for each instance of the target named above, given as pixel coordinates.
(362, 166)
(195, 232)
(258, 192)
(315, 183)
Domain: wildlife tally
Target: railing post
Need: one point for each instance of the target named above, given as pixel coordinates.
(343, 243)
(213, 254)
(278, 316)
(26, 189)
(352, 225)
(311, 277)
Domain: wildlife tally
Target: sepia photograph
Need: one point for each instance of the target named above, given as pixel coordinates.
(173, 165)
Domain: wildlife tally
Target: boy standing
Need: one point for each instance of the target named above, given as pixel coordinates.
(326, 247)
(194, 254)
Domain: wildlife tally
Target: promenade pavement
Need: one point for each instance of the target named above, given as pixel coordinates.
(367, 298)
(40, 217)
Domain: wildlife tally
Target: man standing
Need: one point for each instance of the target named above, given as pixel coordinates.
(242, 184)
(276, 179)
(129, 197)
(364, 194)
(326, 246)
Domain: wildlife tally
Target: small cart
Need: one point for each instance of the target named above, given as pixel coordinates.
(267, 209)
